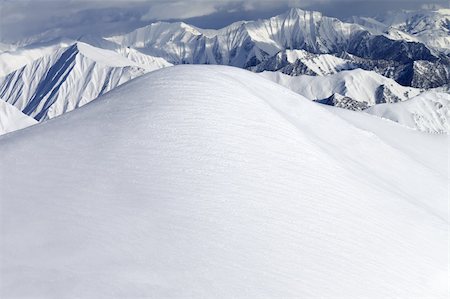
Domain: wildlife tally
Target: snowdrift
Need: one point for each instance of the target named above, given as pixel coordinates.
(211, 181)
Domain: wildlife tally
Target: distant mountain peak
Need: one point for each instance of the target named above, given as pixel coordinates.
(298, 12)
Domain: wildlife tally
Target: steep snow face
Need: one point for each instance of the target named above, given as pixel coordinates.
(429, 112)
(11, 119)
(203, 181)
(67, 79)
(363, 86)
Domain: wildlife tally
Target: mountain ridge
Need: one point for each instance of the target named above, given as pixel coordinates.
(296, 42)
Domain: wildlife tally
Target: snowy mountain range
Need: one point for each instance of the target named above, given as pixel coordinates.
(249, 44)
(46, 79)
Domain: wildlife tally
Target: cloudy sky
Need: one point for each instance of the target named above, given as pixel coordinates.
(20, 19)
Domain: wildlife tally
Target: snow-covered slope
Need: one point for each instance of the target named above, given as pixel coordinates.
(68, 78)
(429, 112)
(203, 181)
(362, 86)
(11, 119)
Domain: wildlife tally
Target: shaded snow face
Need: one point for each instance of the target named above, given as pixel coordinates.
(214, 182)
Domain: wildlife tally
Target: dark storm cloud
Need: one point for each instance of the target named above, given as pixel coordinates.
(22, 18)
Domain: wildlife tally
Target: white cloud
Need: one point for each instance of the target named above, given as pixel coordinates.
(434, 6)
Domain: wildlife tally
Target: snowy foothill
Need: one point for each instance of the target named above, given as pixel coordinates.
(212, 181)
(12, 119)
(429, 112)
(360, 85)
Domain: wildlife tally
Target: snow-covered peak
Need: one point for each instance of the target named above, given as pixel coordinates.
(298, 13)
(299, 29)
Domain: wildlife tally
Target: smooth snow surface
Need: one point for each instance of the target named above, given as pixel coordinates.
(12, 119)
(211, 181)
(429, 112)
